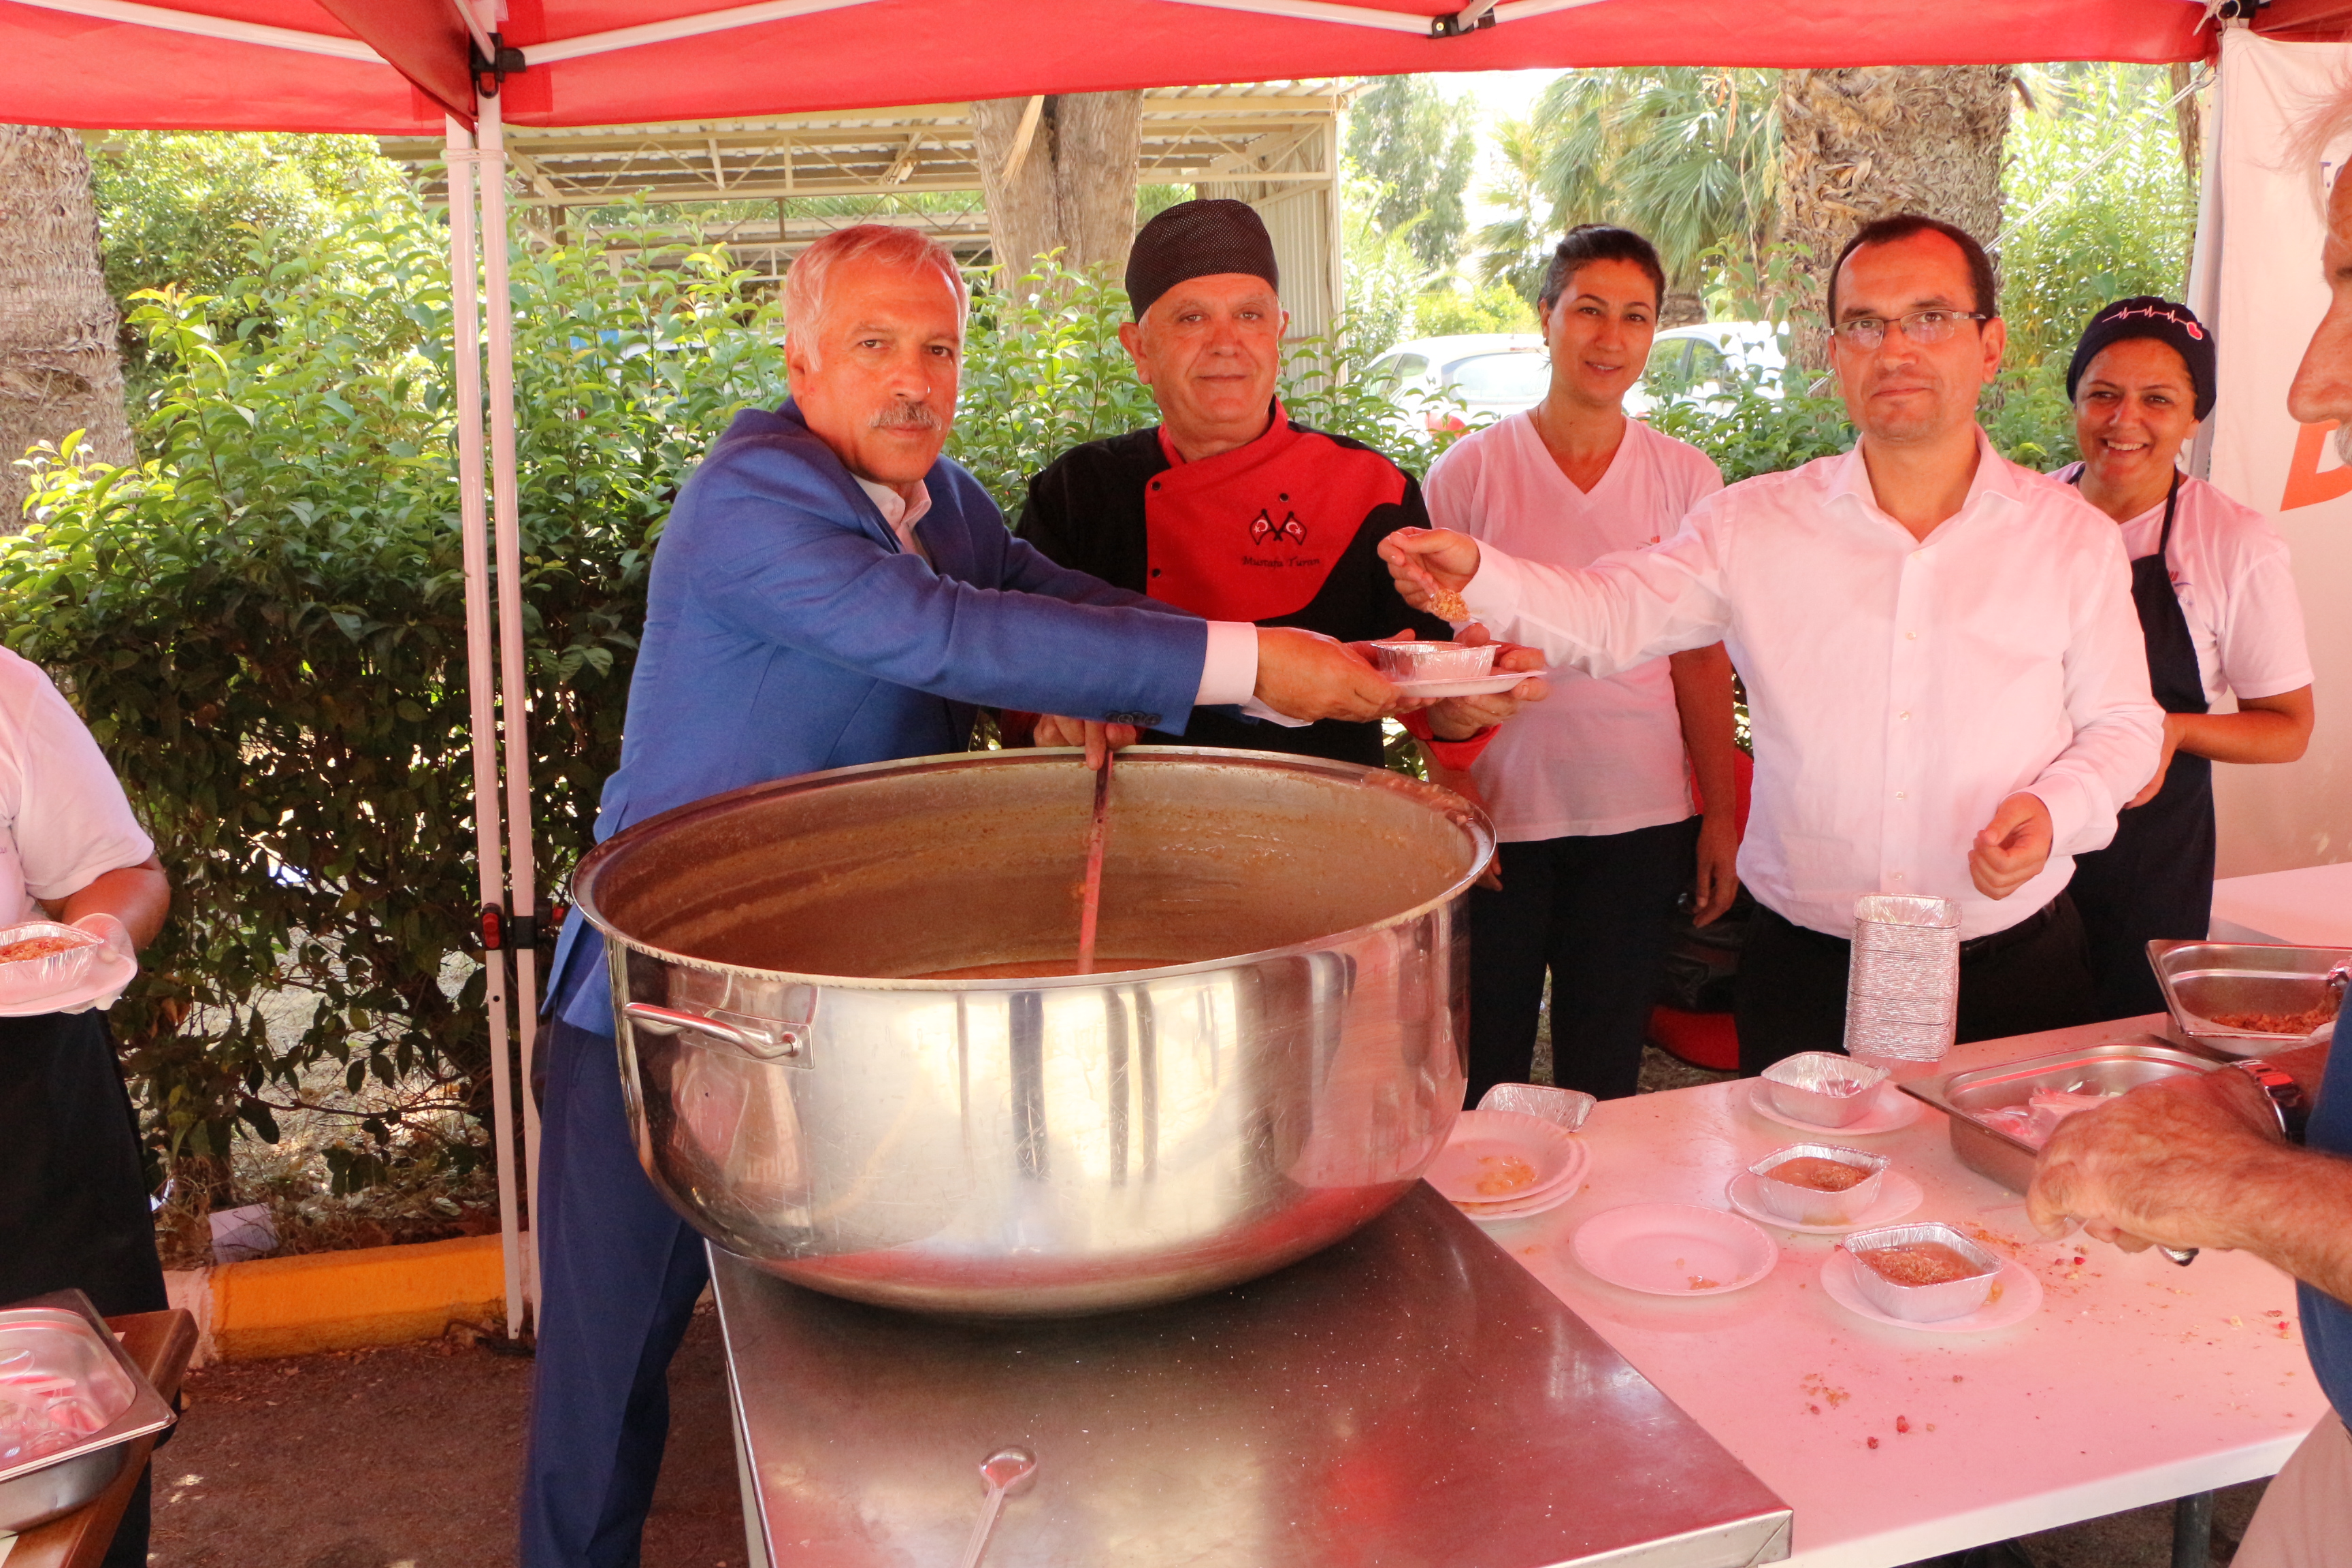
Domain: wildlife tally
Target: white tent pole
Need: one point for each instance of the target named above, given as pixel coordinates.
(514, 685)
(206, 26)
(480, 683)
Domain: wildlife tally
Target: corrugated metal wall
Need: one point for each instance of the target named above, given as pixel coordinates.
(1303, 217)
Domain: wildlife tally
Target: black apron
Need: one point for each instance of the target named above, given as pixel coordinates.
(73, 1194)
(2156, 879)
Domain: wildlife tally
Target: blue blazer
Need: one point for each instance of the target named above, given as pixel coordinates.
(786, 632)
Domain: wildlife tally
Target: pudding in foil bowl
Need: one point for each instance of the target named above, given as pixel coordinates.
(1818, 1184)
(1922, 1273)
(1410, 658)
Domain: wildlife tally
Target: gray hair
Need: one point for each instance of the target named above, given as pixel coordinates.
(2327, 121)
(809, 283)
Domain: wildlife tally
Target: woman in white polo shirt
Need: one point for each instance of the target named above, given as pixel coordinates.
(1589, 791)
(73, 1197)
(2218, 607)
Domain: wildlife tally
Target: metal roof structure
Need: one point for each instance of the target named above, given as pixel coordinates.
(763, 185)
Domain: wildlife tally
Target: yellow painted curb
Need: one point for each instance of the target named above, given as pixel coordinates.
(339, 1301)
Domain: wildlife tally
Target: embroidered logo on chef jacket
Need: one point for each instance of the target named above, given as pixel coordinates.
(1253, 534)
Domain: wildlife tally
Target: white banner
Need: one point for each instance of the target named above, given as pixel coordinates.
(2257, 282)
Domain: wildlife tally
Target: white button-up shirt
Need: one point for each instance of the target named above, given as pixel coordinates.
(1899, 691)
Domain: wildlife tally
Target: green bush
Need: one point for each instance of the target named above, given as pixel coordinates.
(264, 626)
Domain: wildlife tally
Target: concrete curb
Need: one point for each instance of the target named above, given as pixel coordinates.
(340, 1301)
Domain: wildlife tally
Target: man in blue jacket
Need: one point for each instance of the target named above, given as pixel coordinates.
(829, 591)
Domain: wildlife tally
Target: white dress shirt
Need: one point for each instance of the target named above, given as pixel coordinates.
(1601, 755)
(1899, 691)
(1228, 672)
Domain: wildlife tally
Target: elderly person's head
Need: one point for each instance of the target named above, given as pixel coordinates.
(2322, 390)
(1207, 333)
(874, 339)
(1919, 329)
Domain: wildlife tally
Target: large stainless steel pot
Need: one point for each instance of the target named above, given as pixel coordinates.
(1037, 1146)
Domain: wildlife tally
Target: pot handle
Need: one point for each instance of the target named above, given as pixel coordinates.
(776, 1042)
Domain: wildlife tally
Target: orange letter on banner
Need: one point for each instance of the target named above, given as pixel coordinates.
(2306, 485)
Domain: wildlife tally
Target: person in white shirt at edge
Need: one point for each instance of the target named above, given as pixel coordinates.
(2218, 613)
(1589, 791)
(1944, 672)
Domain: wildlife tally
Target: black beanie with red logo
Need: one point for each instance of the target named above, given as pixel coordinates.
(2146, 316)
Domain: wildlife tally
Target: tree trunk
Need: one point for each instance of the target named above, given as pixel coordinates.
(1861, 142)
(60, 364)
(1072, 185)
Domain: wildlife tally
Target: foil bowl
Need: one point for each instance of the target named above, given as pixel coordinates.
(1410, 658)
(1823, 1087)
(1810, 1206)
(1922, 1303)
(27, 977)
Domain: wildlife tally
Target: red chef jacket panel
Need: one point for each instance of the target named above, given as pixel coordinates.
(1253, 534)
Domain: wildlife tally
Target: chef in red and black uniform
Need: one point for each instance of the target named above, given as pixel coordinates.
(1228, 510)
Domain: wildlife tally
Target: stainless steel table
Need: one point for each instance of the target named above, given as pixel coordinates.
(1411, 1396)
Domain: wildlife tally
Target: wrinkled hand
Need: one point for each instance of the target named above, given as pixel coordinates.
(2172, 730)
(1303, 676)
(1100, 739)
(1422, 558)
(1717, 880)
(2011, 850)
(2158, 1166)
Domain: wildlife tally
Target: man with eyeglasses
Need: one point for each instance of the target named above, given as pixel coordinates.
(1943, 667)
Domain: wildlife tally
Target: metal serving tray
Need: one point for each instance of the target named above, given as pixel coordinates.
(2103, 1068)
(62, 1334)
(2201, 979)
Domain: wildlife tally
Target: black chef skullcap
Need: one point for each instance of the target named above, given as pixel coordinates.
(2146, 316)
(1198, 239)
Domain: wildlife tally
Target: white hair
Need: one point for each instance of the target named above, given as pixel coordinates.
(809, 283)
(2325, 125)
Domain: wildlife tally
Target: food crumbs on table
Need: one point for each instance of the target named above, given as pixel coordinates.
(1903, 1423)
(1931, 1425)
(1873, 1442)
(1814, 1408)
(1701, 1282)
(1994, 1294)
(1956, 1377)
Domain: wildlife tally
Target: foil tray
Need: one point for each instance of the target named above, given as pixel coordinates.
(2104, 1067)
(1922, 1303)
(1810, 1205)
(2201, 979)
(63, 1335)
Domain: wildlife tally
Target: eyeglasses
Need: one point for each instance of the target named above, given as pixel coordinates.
(1919, 326)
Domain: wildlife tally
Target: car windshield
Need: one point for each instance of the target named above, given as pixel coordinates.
(1521, 377)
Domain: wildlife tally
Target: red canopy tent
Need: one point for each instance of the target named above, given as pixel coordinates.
(401, 67)
(392, 65)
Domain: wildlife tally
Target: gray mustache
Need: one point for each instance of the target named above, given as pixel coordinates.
(905, 416)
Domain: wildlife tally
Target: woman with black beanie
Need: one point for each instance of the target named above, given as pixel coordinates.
(2217, 605)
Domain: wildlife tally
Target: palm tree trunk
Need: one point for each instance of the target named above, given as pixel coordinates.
(60, 362)
(1066, 183)
(1861, 142)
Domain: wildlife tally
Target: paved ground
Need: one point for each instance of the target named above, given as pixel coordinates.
(406, 1457)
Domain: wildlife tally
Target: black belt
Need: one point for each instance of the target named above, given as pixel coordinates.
(1994, 941)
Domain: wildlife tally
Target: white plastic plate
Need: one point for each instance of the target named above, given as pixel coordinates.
(1502, 1157)
(1674, 1249)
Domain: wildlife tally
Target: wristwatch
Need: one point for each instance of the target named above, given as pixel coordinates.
(2285, 1094)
